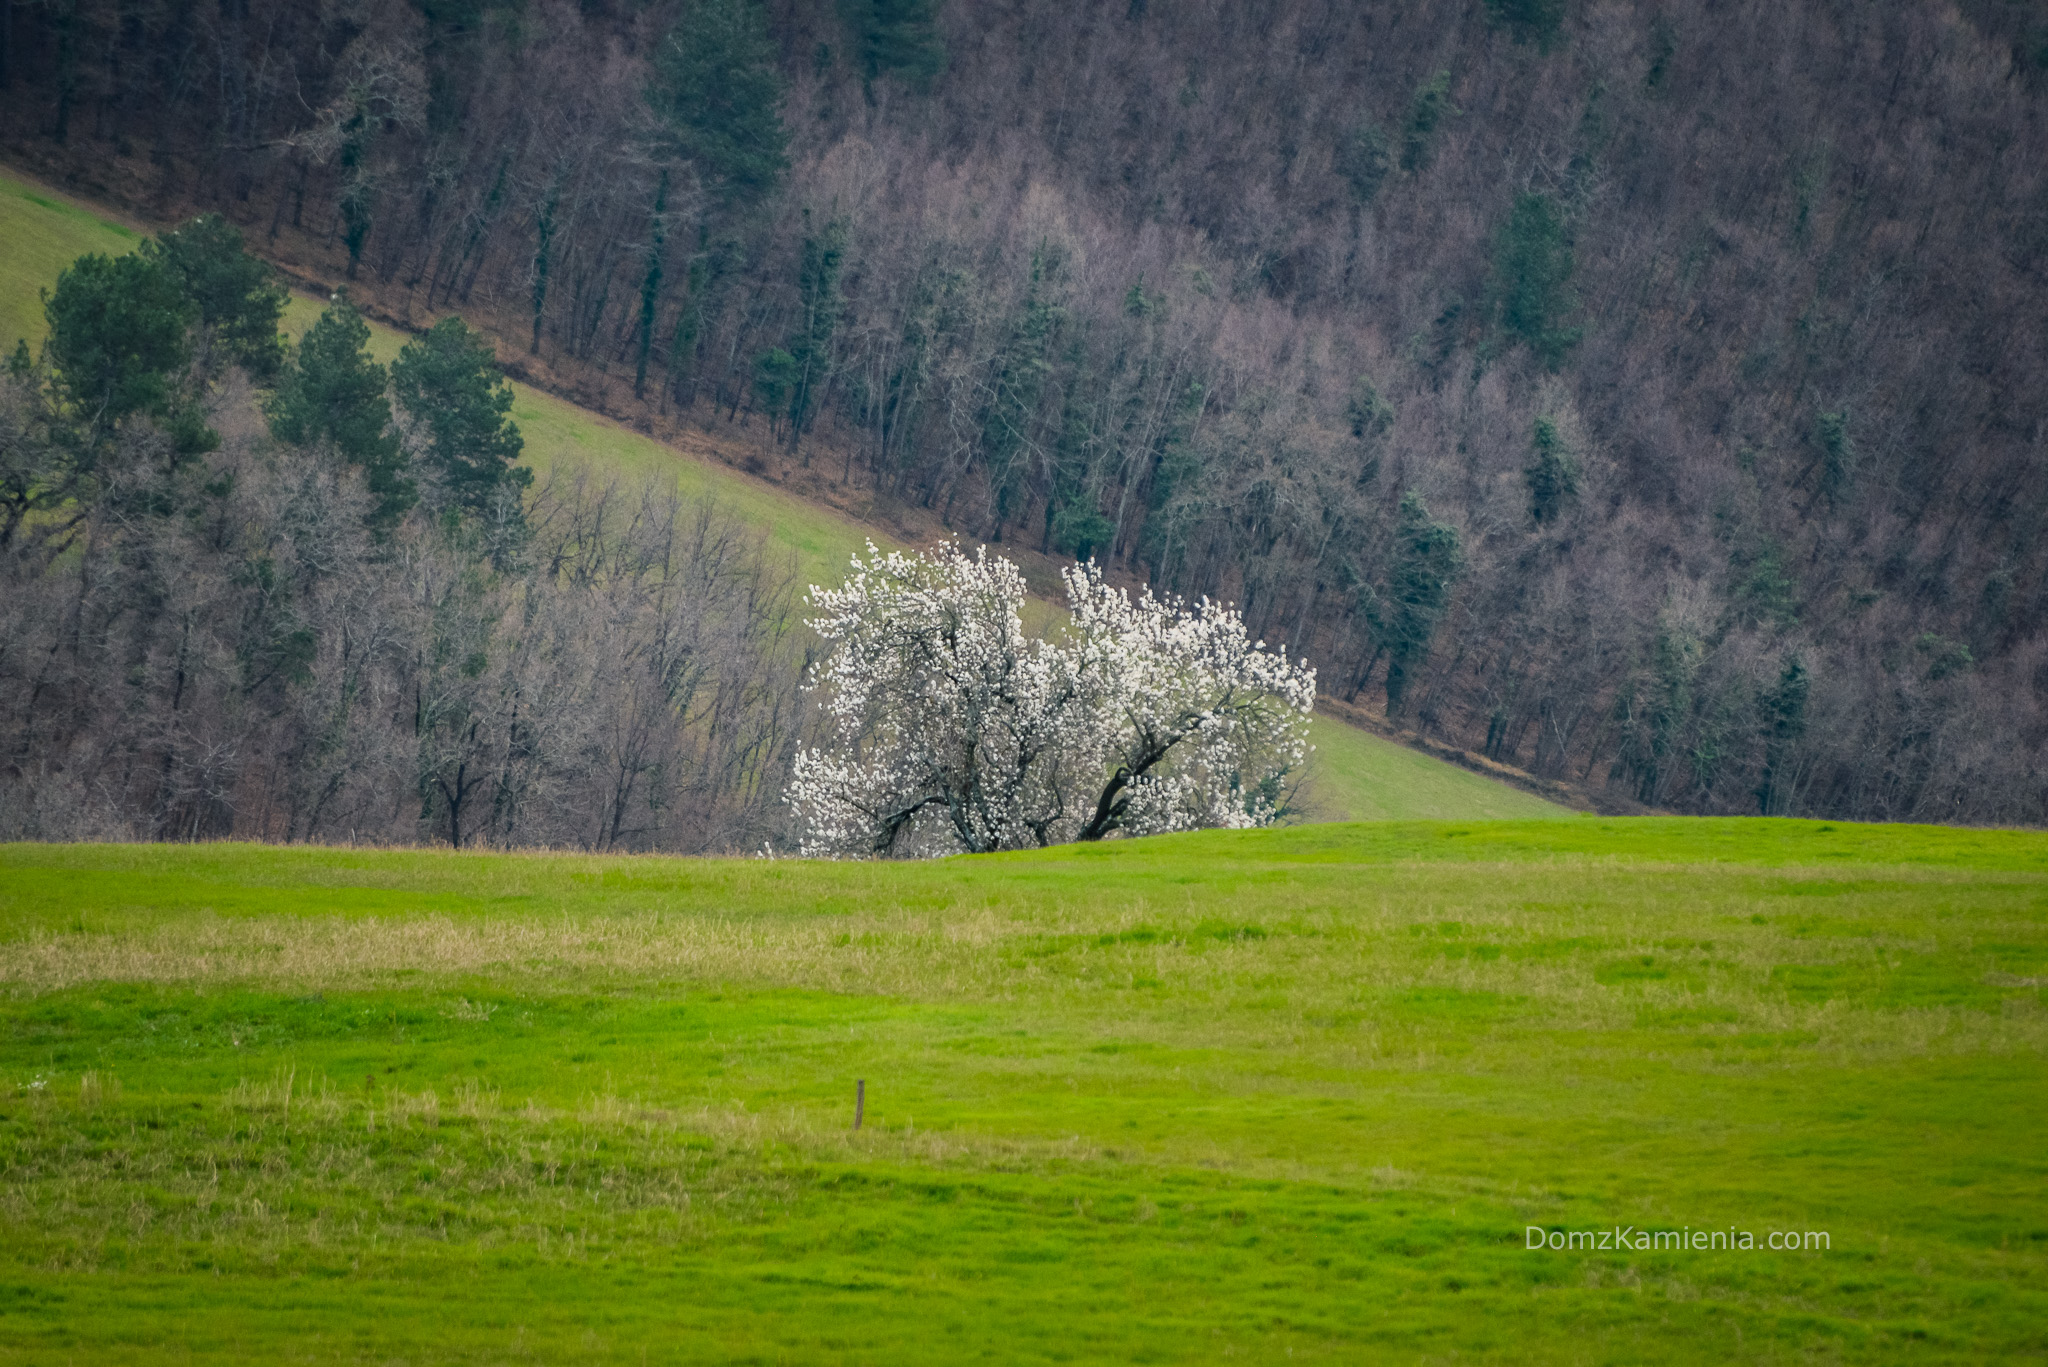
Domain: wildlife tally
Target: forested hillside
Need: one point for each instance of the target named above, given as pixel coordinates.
(1651, 395)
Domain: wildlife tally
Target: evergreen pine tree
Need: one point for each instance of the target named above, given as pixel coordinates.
(1425, 112)
(895, 38)
(811, 346)
(332, 391)
(237, 299)
(448, 382)
(118, 333)
(1551, 474)
(1428, 558)
(718, 95)
(774, 378)
(1532, 270)
(1782, 713)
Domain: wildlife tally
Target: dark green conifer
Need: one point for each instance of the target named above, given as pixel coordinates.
(719, 96)
(1551, 474)
(118, 334)
(236, 297)
(333, 392)
(1532, 271)
(448, 382)
(896, 38)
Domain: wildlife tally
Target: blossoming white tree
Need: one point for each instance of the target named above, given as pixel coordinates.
(952, 731)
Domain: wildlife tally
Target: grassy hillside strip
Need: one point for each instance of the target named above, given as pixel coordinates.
(44, 233)
(1269, 1094)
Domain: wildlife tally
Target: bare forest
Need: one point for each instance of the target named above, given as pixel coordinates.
(1654, 396)
(230, 648)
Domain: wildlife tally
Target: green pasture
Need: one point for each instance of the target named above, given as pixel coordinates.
(1290, 1095)
(39, 236)
(1359, 776)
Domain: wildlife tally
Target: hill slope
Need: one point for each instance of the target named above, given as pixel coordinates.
(1655, 392)
(1357, 775)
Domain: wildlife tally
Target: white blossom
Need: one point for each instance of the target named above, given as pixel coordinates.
(951, 731)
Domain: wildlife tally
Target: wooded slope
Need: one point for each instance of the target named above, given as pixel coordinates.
(1652, 395)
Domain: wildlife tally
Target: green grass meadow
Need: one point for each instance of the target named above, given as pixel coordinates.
(39, 236)
(1289, 1095)
(1357, 776)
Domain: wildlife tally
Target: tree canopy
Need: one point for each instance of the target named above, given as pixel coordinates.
(450, 386)
(719, 96)
(896, 37)
(333, 392)
(118, 332)
(951, 730)
(235, 297)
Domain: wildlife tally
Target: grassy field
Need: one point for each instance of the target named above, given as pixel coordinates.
(1291, 1095)
(1360, 776)
(40, 235)
(1357, 776)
